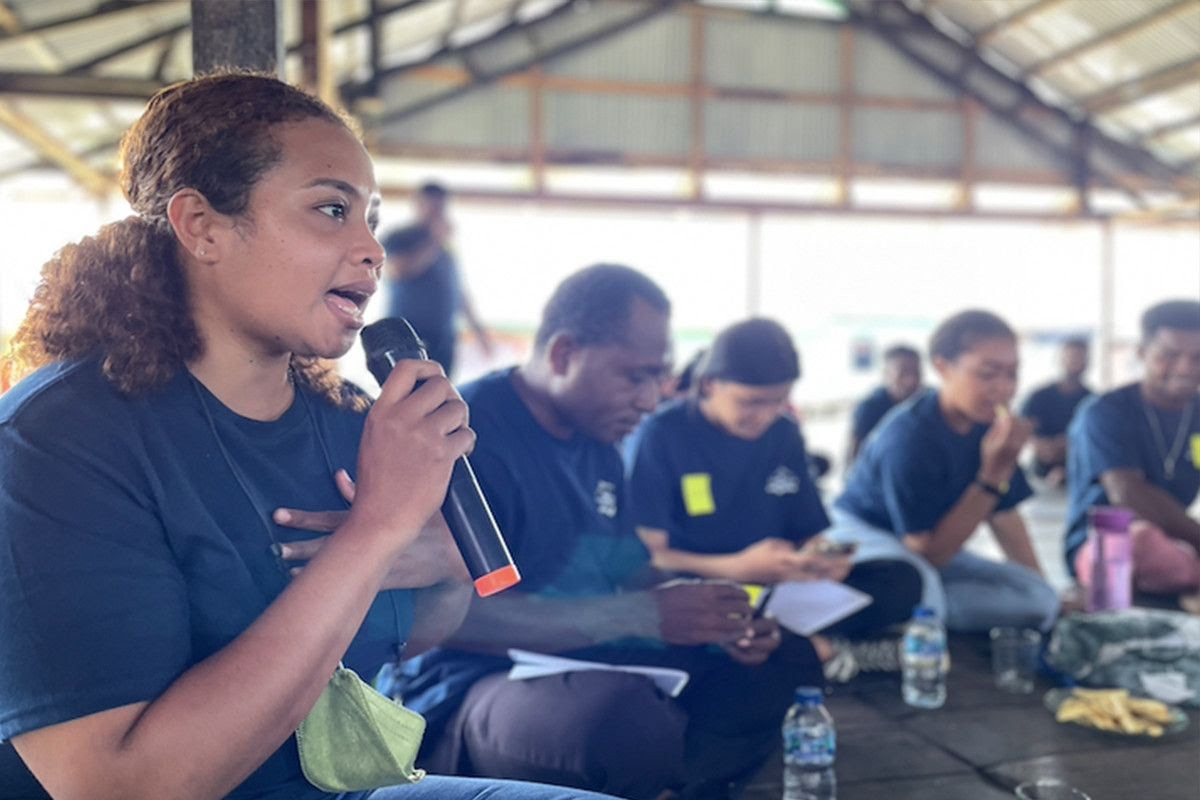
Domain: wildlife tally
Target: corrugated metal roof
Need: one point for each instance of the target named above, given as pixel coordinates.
(619, 78)
(1080, 53)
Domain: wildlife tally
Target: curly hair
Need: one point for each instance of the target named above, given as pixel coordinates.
(121, 294)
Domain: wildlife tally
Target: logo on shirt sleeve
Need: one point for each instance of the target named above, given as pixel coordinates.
(697, 494)
(782, 482)
(606, 498)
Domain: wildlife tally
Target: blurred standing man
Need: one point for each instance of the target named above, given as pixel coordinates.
(901, 380)
(1051, 408)
(1139, 446)
(422, 280)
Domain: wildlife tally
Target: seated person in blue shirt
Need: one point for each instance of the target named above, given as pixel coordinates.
(1051, 407)
(172, 393)
(547, 461)
(942, 464)
(1139, 446)
(720, 487)
(901, 380)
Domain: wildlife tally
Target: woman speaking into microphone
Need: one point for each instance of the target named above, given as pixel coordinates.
(155, 640)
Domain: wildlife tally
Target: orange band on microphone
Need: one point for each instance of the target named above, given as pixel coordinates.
(497, 581)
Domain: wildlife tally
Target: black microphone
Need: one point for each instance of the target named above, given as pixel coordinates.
(466, 510)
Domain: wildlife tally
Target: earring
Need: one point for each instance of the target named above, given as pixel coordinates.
(200, 252)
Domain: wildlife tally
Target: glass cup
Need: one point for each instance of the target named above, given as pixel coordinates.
(1050, 789)
(1015, 654)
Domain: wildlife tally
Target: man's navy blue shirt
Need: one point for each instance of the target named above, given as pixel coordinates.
(562, 508)
(1051, 410)
(715, 493)
(1114, 431)
(561, 504)
(915, 468)
(870, 410)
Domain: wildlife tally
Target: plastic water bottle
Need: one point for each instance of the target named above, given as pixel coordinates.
(1111, 584)
(924, 660)
(809, 747)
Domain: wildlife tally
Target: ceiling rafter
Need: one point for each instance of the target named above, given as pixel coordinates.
(587, 40)
(55, 151)
(1108, 38)
(353, 91)
(129, 47)
(998, 27)
(164, 55)
(1168, 128)
(884, 19)
(81, 86)
(103, 9)
(9, 22)
(1141, 87)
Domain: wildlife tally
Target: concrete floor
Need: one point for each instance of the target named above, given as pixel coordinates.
(984, 742)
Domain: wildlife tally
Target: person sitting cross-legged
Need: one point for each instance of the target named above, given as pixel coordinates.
(1138, 446)
(721, 489)
(547, 462)
(941, 465)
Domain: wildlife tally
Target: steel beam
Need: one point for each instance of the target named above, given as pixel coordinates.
(87, 176)
(592, 38)
(1017, 17)
(129, 47)
(1128, 92)
(1109, 37)
(1011, 113)
(83, 86)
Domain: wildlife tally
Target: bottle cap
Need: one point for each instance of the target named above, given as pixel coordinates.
(923, 612)
(809, 695)
(497, 581)
(1110, 518)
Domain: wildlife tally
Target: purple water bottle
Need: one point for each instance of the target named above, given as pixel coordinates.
(1111, 588)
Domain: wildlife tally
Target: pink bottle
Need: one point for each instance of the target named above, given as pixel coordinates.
(1111, 588)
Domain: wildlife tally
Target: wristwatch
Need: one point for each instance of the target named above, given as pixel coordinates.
(991, 488)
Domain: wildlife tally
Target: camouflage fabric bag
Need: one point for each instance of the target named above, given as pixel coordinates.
(1151, 652)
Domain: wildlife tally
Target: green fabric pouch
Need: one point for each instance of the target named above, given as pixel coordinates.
(355, 739)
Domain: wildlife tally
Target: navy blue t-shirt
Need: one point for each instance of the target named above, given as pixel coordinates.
(714, 493)
(561, 505)
(869, 411)
(1051, 410)
(562, 508)
(915, 468)
(1114, 431)
(129, 552)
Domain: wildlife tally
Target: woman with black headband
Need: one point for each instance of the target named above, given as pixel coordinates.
(721, 489)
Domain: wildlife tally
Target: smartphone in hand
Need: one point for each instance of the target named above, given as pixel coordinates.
(827, 547)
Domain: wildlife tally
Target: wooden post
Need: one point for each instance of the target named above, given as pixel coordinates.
(1107, 300)
(754, 264)
(236, 33)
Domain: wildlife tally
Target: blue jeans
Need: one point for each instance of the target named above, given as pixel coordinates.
(441, 788)
(969, 593)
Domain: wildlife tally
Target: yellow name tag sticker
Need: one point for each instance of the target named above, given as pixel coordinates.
(697, 494)
(1196, 450)
(754, 593)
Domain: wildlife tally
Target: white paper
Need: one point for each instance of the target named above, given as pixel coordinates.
(805, 607)
(528, 665)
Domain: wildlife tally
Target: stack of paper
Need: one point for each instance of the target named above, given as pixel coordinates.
(528, 665)
(805, 607)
